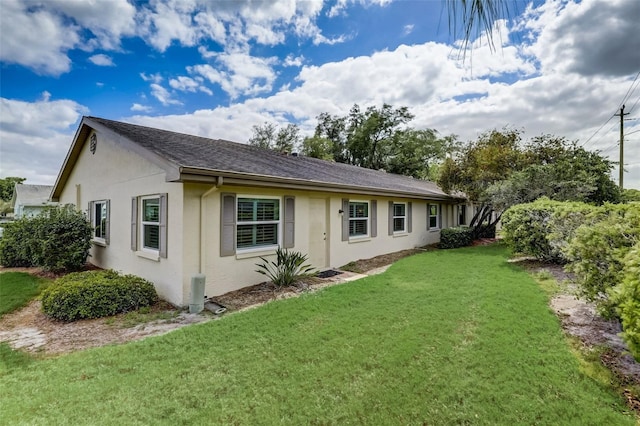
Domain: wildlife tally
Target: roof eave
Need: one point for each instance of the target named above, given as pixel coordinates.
(194, 174)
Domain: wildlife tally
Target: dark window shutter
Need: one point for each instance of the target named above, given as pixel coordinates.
(373, 214)
(439, 215)
(108, 223)
(134, 223)
(390, 217)
(227, 224)
(92, 219)
(409, 218)
(289, 221)
(163, 225)
(345, 219)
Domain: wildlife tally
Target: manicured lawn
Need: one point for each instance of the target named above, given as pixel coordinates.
(441, 338)
(17, 289)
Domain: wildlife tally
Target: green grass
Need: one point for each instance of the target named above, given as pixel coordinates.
(445, 337)
(17, 289)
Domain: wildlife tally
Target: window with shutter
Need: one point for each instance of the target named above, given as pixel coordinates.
(257, 223)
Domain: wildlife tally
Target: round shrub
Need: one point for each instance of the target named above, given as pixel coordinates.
(455, 237)
(543, 228)
(627, 297)
(597, 253)
(95, 294)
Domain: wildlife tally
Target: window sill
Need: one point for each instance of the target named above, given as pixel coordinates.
(364, 239)
(100, 243)
(255, 253)
(400, 234)
(148, 255)
(434, 230)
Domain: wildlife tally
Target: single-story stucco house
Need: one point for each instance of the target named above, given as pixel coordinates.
(30, 200)
(168, 206)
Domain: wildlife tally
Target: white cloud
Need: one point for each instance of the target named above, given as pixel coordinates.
(593, 37)
(408, 29)
(155, 78)
(102, 60)
(36, 151)
(293, 61)
(188, 84)
(140, 108)
(163, 95)
(36, 39)
(39, 35)
(239, 73)
(341, 5)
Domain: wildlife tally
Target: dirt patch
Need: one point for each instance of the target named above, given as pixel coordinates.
(31, 330)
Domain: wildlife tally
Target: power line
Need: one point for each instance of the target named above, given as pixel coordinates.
(624, 99)
(629, 90)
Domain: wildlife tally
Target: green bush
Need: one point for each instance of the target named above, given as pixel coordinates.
(18, 243)
(455, 237)
(289, 265)
(597, 253)
(95, 294)
(627, 298)
(57, 240)
(543, 228)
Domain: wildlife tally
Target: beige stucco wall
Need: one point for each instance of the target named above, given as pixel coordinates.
(224, 274)
(115, 173)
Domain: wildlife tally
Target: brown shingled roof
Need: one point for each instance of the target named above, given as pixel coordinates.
(215, 156)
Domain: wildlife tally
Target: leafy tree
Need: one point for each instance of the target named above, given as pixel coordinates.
(7, 186)
(334, 129)
(318, 147)
(371, 133)
(269, 136)
(417, 153)
(498, 171)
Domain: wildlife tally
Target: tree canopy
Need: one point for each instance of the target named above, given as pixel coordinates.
(7, 186)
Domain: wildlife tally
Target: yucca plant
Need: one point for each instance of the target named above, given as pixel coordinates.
(288, 266)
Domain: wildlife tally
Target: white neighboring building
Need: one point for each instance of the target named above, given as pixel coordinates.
(30, 200)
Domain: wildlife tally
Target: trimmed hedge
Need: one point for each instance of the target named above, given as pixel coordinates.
(543, 228)
(598, 251)
(455, 237)
(57, 240)
(627, 298)
(95, 294)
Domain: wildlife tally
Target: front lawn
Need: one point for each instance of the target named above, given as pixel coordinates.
(444, 337)
(17, 289)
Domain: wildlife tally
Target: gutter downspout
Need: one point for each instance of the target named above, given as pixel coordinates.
(203, 225)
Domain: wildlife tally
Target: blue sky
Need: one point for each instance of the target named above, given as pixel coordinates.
(216, 68)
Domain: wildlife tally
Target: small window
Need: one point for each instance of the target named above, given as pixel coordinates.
(434, 216)
(150, 223)
(99, 220)
(358, 219)
(258, 223)
(462, 214)
(399, 217)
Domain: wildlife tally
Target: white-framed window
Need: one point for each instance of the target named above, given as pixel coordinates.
(434, 216)
(462, 214)
(399, 217)
(358, 219)
(99, 213)
(150, 223)
(257, 222)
